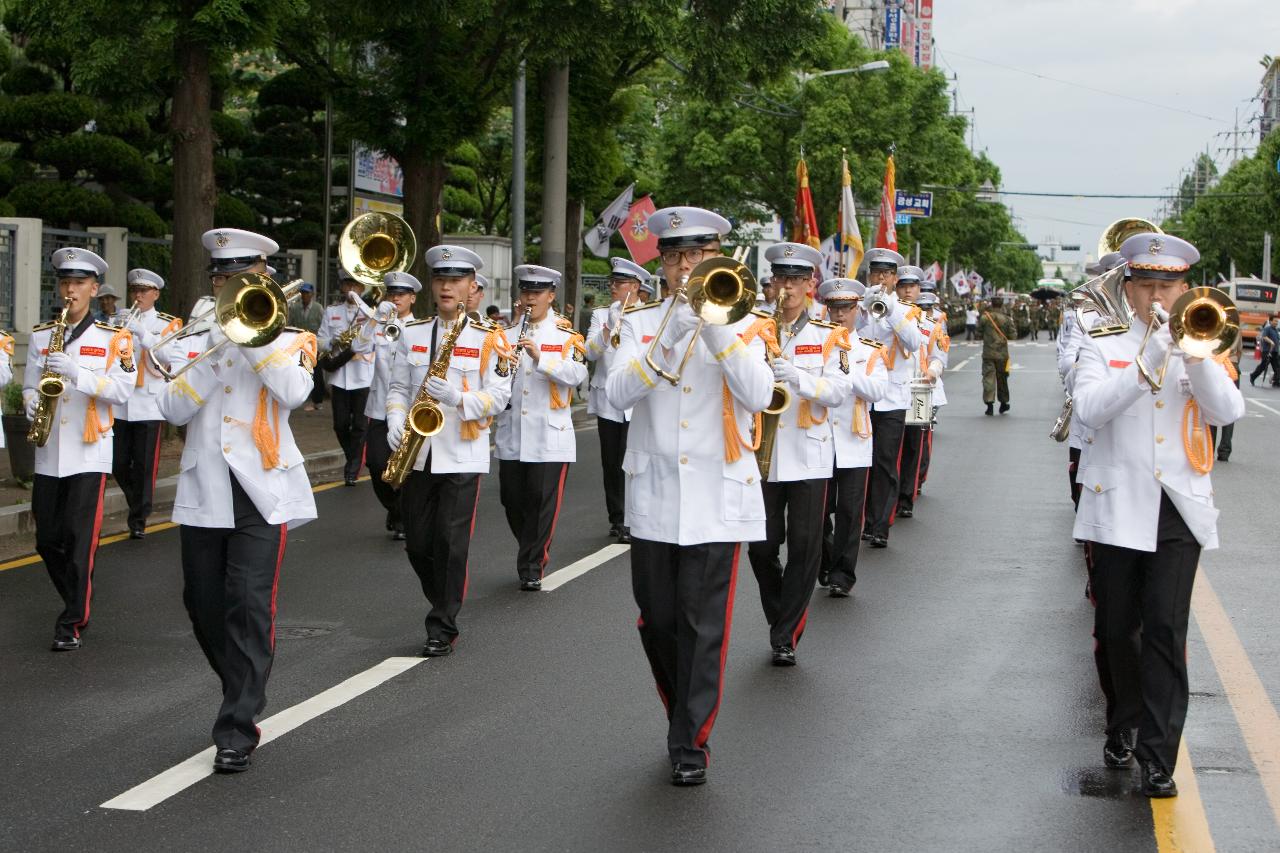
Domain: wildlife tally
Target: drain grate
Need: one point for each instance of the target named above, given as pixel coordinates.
(299, 632)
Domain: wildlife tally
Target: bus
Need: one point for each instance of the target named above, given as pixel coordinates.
(1256, 299)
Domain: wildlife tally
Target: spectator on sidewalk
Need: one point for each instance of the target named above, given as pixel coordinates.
(307, 314)
(1269, 345)
(970, 322)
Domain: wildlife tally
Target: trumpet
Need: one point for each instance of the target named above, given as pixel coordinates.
(122, 319)
(616, 337)
(1203, 322)
(251, 310)
(720, 291)
(1062, 426)
(878, 307)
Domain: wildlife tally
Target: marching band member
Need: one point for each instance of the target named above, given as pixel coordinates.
(350, 372)
(440, 494)
(941, 341)
(930, 360)
(767, 297)
(693, 486)
(241, 486)
(96, 365)
(402, 293)
(1147, 503)
(851, 433)
(476, 297)
(138, 421)
(813, 363)
(901, 336)
(629, 286)
(535, 440)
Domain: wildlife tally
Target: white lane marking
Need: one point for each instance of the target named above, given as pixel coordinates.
(555, 580)
(178, 778)
(961, 364)
(1258, 402)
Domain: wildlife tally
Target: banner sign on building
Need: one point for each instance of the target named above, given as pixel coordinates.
(924, 34)
(913, 204)
(892, 27)
(375, 172)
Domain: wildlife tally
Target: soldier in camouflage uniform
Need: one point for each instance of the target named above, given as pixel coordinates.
(996, 328)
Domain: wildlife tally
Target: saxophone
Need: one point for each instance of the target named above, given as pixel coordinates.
(425, 417)
(51, 386)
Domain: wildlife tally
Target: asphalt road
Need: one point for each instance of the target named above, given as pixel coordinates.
(951, 704)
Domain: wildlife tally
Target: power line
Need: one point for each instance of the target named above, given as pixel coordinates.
(975, 190)
(1086, 87)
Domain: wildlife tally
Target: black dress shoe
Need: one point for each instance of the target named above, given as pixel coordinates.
(1156, 783)
(1222, 457)
(824, 578)
(230, 761)
(68, 645)
(1253, 380)
(398, 534)
(905, 512)
(624, 535)
(991, 409)
(436, 649)
(350, 481)
(839, 591)
(1004, 407)
(879, 541)
(137, 532)
(866, 534)
(784, 656)
(530, 585)
(685, 775)
(615, 530)
(1118, 750)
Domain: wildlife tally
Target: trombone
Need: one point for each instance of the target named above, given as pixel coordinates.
(720, 291)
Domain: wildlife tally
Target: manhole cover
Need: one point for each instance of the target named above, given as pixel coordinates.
(299, 632)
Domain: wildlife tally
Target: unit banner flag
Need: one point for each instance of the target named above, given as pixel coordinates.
(887, 233)
(849, 235)
(640, 241)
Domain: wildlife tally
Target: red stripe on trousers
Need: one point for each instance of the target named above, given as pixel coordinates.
(155, 459)
(705, 732)
(897, 466)
(93, 551)
(915, 484)
(466, 567)
(275, 583)
(546, 549)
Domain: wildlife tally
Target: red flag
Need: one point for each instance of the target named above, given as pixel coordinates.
(636, 234)
(887, 232)
(804, 225)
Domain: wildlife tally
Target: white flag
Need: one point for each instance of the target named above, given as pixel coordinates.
(597, 236)
(830, 258)
(960, 282)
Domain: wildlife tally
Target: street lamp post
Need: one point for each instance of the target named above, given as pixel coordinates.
(864, 68)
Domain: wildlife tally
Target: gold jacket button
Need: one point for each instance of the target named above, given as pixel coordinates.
(684, 425)
(1157, 473)
(1159, 404)
(524, 411)
(525, 392)
(684, 460)
(226, 448)
(226, 419)
(227, 389)
(687, 389)
(1098, 488)
(1159, 439)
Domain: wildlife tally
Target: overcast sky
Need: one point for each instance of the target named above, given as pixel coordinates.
(1201, 57)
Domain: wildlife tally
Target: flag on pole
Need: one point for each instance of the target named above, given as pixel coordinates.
(933, 273)
(960, 281)
(975, 281)
(598, 236)
(830, 258)
(849, 235)
(640, 241)
(887, 233)
(804, 227)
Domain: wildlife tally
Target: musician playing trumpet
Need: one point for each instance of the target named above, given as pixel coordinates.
(241, 487)
(439, 496)
(95, 368)
(629, 286)
(1146, 505)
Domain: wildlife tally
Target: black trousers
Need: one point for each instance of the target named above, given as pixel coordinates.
(1143, 602)
(135, 458)
(613, 446)
(230, 578)
(531, 493)
(913, 442)
(349, 425)
(926, 455)
(685, 596)
(317, 386)
(1223, 446)
(1073, 466)
(68, 515)
(1272, 360)
(793, 513)
(886, 452)
(376, 454)
(439, 517)
(841, 539)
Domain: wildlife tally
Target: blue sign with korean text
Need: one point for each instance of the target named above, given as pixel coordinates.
(902, 219)
(892, 27)
(913, 204)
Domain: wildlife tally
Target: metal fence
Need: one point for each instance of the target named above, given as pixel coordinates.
(8, 272)
(51, 240)
(288, 266)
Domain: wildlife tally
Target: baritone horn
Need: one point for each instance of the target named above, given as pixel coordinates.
(1122, 229)
(720, 291)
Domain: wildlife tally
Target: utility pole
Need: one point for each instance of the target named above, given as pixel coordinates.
(555, 166)
(517, 180)
(1266, 257)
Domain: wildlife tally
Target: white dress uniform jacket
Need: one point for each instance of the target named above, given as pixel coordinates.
(680, 487)
(531, 430)
(901, 337)
(851, 422)
(141, 405)
(358, 372)
(219, 400)
(601, 351)
(938, 351)
(1137, 446)
(6, 366)
(1070, 335)
(476, 368)
(103, 380)
(384, 352)
(808, 453)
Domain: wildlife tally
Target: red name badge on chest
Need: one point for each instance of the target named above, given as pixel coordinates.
(645, 339)
(420, 348)
(1115, 362)
(466, 352)
(99, 352)
(192, 354)
(552, 348)
(808, 349)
